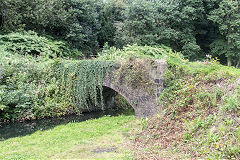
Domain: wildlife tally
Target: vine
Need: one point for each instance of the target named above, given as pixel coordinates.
(82, 80)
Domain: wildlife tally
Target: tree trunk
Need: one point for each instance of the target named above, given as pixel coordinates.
(237, 66)
(229, 58)
(229, 61)
(1, 14)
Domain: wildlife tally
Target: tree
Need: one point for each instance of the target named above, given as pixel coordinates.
(110, 15)
(84, 25)
(38, 15)
(227, 17)
(138, 25)
(76, 21)
(168, 22)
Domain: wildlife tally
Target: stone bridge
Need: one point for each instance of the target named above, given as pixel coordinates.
(140, 82)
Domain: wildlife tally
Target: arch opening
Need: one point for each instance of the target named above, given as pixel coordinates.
(114, 100)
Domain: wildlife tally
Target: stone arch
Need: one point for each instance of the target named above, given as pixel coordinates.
(118, 90)
(136, 102)
(139, 97)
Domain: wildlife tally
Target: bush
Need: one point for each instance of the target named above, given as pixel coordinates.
(36, 87)
(157, 52)
(32, 44)
(29, 88)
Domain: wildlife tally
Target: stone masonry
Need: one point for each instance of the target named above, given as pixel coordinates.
(143, 96)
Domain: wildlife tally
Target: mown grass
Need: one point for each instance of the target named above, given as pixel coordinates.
(73, 141)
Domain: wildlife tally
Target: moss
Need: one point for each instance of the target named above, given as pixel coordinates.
(135, 73)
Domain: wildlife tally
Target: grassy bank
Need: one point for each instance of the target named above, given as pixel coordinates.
(200, 108)
(200, 114)
(90, 139)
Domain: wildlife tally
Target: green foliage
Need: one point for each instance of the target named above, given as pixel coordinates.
(29, 88)
(201, 123)
(84, 25)
(75, 21)
(83, 80)
(180, 94)
(184, 85)
(226, 16)
(33, 15)
(206, 96)
(214, 138)
(157, 52)
(138, 26)
(162, 22)
(194, 27)
(232, 103)
(39, 87)
(109, 16)
(32, 44)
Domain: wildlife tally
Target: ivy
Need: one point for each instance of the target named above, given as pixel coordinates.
(32, 87)
(83, 80)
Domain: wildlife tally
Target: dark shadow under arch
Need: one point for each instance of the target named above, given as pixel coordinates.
(109, 98)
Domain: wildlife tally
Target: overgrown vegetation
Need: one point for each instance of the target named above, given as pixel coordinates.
(30, 43)
(35, 88)
(201, 101)
(194, 27)
(200, 113)
(35, 82)
(144, 52)
(40, 41)
(82, 80)
(30, 88)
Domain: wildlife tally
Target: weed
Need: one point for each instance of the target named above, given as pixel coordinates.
(232, 103)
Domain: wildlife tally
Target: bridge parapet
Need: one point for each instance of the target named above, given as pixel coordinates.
(140, 82)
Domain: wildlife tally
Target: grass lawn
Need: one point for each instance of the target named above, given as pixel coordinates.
(102, 138)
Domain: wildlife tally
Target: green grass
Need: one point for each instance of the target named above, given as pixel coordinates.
(73, 141)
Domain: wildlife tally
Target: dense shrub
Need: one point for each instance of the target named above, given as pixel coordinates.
(76, 21)
(33, 44)
(29, 88)
(37, 87)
